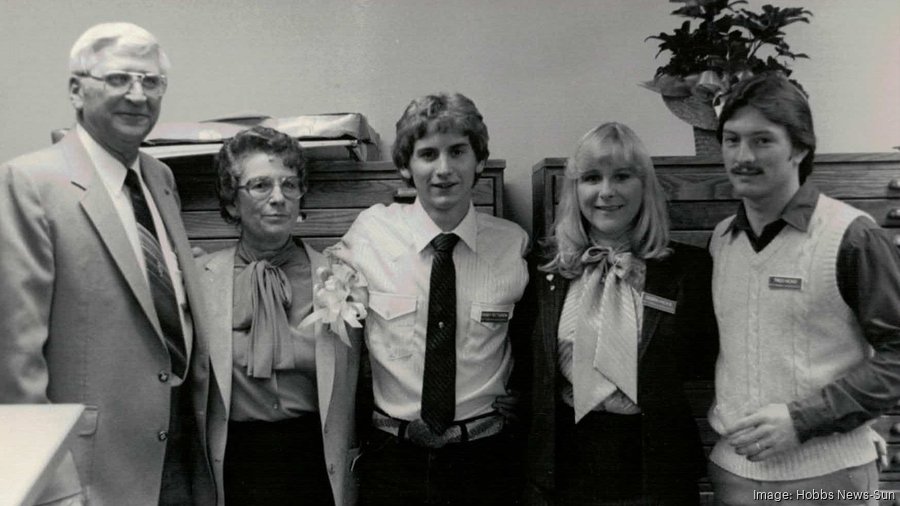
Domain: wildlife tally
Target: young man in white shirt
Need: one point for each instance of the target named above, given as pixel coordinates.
(444, 283)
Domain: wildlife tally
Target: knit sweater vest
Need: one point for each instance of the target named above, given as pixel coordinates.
(785, 332)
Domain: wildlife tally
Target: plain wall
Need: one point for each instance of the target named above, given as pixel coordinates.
(542, 72)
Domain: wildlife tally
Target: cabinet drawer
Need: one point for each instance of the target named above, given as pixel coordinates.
(338, 192)
(316, 223)
(198, 193)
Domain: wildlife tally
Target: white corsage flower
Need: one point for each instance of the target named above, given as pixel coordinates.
(340, 297)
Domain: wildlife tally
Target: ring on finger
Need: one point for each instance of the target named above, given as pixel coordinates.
(759, 447)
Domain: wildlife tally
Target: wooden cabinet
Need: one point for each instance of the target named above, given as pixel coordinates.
(338, 192)
(700, 196)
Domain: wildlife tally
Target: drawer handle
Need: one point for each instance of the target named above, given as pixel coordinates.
(405, 195)
(894, 184)
(895, 429)
(894, 214)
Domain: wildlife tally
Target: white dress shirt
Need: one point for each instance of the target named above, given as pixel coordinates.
(390, 246)
(112, 173)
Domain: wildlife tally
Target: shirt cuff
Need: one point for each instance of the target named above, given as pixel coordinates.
(810, 416)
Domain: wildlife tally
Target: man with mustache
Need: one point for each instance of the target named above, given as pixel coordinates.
(97, 285)
(806, 292)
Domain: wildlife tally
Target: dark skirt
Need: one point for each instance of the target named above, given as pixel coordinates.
(598, 460)
(276, 463)
(601, 460)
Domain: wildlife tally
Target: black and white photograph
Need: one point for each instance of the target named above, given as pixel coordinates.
(457, 253)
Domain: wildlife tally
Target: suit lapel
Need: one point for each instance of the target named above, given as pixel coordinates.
(555, 288)
(99, 208)
(218, 279)
(327, 351)
(662, 282)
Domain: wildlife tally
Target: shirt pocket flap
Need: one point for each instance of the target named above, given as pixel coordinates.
(491, 313)
(391, 305)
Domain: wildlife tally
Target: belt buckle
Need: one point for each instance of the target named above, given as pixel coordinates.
(420, 434)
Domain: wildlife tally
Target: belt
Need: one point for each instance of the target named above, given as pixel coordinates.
(419, 433)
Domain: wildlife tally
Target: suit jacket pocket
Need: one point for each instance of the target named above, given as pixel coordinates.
(83, 446)
(87, 424)
(353, 455)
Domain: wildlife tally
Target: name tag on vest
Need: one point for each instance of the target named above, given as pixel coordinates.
(494, 316)
(785, 283)
(659, 303)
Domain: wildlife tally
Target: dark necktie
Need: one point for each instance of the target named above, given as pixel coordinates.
(161, 288)
(439, 383)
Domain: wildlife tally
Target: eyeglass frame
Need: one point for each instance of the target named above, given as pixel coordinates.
(135, 77)
(279, 183)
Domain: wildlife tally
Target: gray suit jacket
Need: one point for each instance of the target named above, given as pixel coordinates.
(77, 323)
(336, 372)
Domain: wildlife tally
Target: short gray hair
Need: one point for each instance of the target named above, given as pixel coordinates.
(95, 39)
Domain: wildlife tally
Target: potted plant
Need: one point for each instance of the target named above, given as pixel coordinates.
(726, 45)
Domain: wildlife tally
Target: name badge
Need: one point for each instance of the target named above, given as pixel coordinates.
(785, 283)
(659, 303)
(494, 316)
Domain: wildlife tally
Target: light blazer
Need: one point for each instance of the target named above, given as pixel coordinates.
(673, 347)
(78, 325)
(337, 367)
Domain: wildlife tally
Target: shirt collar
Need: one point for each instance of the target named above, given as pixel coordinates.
(111, 171)
(797, 213)
(424, 229)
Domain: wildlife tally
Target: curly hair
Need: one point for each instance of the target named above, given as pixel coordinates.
(254, 140)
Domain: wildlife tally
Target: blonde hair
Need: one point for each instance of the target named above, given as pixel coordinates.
(616, 145)
(84, 54)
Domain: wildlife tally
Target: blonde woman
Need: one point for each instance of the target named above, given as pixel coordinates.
(625, 318)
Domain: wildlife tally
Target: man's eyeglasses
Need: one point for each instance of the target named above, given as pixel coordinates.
(120, 82)
(261, 187)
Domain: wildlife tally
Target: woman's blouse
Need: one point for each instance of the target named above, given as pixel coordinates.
(289, 391)
(569, 320)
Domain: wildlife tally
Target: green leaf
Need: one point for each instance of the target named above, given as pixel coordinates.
(728, 38)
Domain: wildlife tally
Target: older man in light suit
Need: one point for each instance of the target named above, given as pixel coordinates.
(99, 295)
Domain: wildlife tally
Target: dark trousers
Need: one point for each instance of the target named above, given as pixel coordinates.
(182, 443)
(481, 472)
(276, 463)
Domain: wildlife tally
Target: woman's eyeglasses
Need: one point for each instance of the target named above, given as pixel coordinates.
(261, 187)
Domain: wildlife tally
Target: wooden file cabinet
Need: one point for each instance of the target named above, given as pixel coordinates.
(700, 196)
(338, 192)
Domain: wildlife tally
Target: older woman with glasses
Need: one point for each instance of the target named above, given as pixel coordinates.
(625, 318)
(281, 415)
